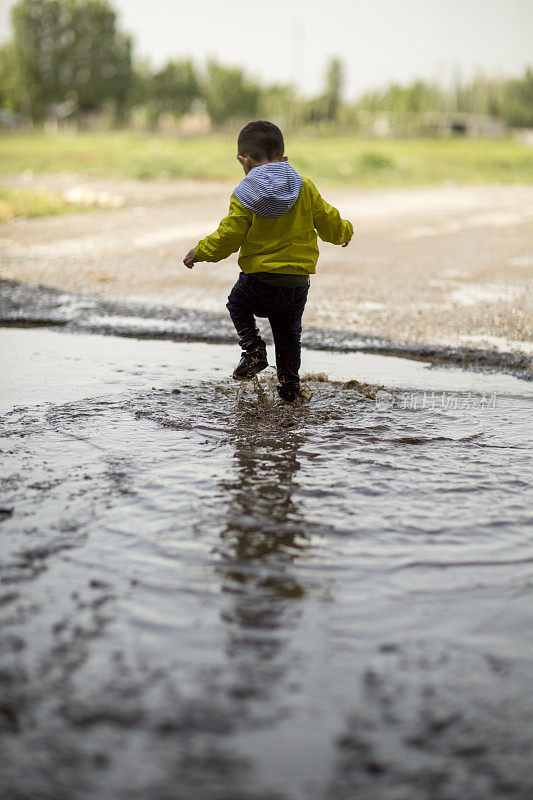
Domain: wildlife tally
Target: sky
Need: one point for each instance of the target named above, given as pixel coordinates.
(378, 41)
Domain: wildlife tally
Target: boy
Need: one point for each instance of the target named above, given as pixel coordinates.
(274, 217)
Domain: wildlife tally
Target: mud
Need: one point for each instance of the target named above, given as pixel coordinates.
(23, 305)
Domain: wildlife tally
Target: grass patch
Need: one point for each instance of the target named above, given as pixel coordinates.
(339, 160)
(23, 203)
(415, 162)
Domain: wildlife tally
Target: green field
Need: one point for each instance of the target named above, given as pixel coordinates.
(340, 160)
(343, 161)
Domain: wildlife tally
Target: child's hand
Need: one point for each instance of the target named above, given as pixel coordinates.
(189, 259)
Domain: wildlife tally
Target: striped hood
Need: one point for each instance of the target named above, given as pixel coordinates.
(270, 190)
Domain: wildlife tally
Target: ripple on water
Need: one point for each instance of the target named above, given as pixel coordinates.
(211, 565)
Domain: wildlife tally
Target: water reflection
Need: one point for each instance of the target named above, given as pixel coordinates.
(265, 529)
(263, 534)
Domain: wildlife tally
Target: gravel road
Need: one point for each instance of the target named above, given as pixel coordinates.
(442, 266)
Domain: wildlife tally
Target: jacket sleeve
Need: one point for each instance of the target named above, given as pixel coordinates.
(229, 235)
(328, 222)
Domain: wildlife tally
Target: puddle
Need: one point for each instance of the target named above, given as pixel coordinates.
(44, 366)
(208, 594)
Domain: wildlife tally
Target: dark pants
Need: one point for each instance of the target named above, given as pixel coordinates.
(283, 306)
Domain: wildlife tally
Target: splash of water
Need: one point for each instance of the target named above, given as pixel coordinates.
(259, 394)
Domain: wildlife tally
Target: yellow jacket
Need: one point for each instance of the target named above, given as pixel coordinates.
(285, 244)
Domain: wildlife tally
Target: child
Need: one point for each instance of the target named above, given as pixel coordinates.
(274, 216)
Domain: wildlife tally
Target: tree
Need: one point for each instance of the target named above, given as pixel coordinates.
(69, 49)
(325, 107)
(8, 78)
(334, 85)
(172, 89)
(229, 93)
(276, 103)
(517, 102)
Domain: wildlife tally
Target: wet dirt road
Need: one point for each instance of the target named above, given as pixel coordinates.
(439, 266)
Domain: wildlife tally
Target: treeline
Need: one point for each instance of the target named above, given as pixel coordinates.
(68, 59)
(511, 100)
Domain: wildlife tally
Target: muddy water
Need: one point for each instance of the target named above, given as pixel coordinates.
(206, 595)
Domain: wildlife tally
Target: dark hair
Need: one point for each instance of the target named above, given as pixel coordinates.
(260, 140)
